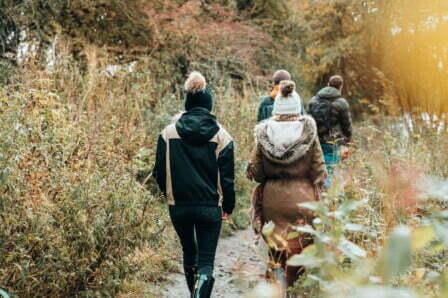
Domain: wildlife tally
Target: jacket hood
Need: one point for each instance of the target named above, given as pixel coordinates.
(197, 126)
(285, 142)
(329, 93)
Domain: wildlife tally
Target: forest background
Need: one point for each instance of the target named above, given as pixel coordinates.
(86, 86)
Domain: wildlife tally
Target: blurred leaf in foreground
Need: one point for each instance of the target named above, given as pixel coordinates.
(3, 294)
(398, 252)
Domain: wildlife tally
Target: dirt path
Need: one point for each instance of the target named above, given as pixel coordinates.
(239, 266)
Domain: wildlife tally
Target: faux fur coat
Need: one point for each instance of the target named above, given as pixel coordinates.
(288, 160)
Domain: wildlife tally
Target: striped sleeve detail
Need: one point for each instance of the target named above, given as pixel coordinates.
(223, 139)
(169, 133)
(226, 170)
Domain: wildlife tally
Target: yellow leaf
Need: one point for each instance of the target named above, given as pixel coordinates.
(309, 249)
(281, 240)
(438, 248)
(293, 235)
(271, 244)
(421, 237)
(420, 273)
(268, 229)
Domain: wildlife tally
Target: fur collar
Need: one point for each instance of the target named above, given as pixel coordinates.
(292, 152)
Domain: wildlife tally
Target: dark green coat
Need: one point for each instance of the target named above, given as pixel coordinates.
(340, 121)
(265, 108)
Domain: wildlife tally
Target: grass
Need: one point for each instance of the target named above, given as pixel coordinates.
(76, 220)
(380, 188)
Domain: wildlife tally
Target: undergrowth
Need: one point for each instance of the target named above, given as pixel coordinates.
(381, 229)
(76, 218)
(80, 215)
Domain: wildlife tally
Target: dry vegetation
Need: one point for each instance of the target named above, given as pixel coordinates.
(382, 228)
(78, 212)
(76, 218)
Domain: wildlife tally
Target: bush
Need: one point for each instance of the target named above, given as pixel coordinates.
(381, 228)
(71, 210)
(75, 220)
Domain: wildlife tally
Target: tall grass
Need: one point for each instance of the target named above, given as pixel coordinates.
(75, 219)
(71, 209)
(393, 219)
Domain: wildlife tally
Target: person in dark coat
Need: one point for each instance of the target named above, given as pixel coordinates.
(334, 124)
(267, 102)
(194, 168)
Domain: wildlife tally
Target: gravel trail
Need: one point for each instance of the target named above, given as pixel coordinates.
(239, 267)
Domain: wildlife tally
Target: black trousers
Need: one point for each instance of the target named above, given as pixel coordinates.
(198, 228)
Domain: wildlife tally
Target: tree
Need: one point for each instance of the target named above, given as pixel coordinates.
(414, 53)
(9, 33)
(100, 22)
(334, 38)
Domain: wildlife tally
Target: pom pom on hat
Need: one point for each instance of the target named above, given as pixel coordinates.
(195, 82)
(197, 95)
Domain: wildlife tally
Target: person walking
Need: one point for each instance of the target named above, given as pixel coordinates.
(265, 112)
(267, 102)
(334, 124)
(194, 168)
(288, 161)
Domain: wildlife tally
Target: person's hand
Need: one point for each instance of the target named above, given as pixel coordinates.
(225, 216)
(345, 153)
(249, 172)
(256, 239)
(318, 192)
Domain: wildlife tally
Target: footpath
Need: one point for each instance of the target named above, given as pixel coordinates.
(240, 266)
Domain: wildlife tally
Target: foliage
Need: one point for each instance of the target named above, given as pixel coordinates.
(413, 53)
(71, 211)
(223, 47)
(389, 53)
(8, 31)
(367, 241)
(264, 9)
(334, 37)
(118, 23)
(6, 70)
(75, 218)
(78, 138)
(171, 33)
(382, 49)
